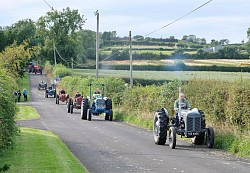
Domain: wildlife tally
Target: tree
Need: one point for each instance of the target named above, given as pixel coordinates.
(86, 45)
(111, 35)
(203, 41)
(185, 37)
(138, 37)
(2, 38)
(192, 38)
(214, 42)
(224, 42)
(23, 30)
(59, 28)
(15, 57)
(247, 45)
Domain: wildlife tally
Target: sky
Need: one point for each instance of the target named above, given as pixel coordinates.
(218, 19)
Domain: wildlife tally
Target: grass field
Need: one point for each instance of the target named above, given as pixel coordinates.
(166, 75)
(189, 62)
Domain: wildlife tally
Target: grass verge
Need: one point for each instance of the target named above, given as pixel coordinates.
(39, 151)
(26, 113)
(239, 145)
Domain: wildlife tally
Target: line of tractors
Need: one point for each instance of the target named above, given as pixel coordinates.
(93, 105)
(188, 123)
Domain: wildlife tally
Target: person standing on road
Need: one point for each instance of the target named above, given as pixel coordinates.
(25, 94)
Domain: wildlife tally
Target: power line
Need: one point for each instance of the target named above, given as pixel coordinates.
(61, 56)
(179, 18)
(49, 5)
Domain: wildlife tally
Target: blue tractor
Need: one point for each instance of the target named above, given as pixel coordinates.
(50, 92)
(96, 104)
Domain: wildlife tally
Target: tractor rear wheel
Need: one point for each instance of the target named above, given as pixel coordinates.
(71, 109)
(84, 108)
(160, 128)
(89, 114)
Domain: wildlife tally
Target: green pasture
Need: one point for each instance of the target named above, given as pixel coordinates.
(166, 75)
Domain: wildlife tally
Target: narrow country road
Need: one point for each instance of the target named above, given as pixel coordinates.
(112, 147)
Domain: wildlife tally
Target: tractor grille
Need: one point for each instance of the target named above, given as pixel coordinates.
(100, 103)
(193, 124)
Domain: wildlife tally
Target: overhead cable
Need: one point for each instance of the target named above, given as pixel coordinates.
(179, 18)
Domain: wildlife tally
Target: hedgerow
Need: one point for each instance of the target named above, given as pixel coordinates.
(8, 109)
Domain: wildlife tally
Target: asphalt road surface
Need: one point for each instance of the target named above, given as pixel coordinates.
(111, 147)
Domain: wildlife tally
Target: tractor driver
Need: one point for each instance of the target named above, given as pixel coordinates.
(97, 93)
(77, 94)
(184, 103)
(62, 92)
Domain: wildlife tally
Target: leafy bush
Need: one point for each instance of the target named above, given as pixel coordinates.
(48, 67)
(61, 71)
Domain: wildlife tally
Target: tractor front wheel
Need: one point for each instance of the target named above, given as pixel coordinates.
(110, 115)
(210, 137)
(172, 137)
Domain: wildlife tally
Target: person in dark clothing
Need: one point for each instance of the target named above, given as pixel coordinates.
(78, 94)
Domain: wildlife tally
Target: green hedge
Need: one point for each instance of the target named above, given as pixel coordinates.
(8, 109)
(177, 67)
(114, 87)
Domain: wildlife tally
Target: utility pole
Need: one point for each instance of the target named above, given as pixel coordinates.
(54, 52)
(72, 63)
(131, 60)
(97, 43)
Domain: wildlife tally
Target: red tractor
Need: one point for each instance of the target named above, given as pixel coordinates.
(74, 103)
(62, 96)
(37, 69)
(33, 68)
